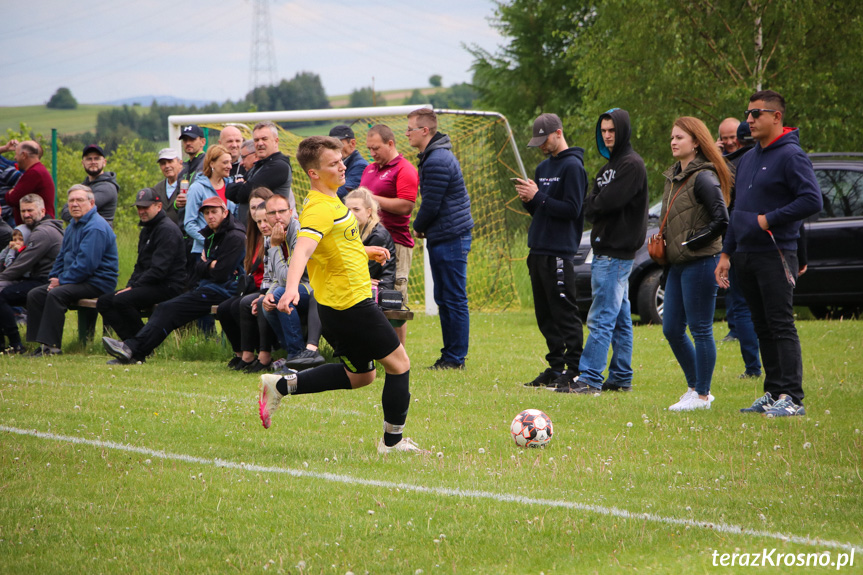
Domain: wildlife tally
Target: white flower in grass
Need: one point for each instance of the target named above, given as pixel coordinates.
(807, 445)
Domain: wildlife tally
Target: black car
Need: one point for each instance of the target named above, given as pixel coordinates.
(833, 283)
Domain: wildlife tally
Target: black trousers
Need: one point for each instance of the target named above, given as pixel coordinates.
(245, 332)
(771, 301)
(122, 311)
(170, 315)
(14, 295)
(553, 281)
(46, 310)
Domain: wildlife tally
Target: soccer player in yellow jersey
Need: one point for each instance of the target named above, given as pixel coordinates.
(329, 243)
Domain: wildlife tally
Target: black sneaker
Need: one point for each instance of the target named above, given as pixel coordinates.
(17, 348)
(305, 359)
(784, 407)
(256, 367)
(728, 339)
(561, 381)
(607, 386)
(749, 375)
(579, 387)
(760, 405)
(444, 364)
(543, 379)
(117, 349)
(235, 361)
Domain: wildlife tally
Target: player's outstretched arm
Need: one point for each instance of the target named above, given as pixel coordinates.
(302, 253)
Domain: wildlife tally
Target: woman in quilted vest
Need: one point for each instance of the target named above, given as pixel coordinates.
(694, 209)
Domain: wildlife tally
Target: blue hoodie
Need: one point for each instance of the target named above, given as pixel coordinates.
(88, 254)
(779, 182)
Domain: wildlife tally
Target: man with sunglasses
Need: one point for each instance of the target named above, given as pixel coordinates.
(776, 190)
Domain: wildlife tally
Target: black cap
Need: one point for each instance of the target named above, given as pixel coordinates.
(744, 134)
(93, 148)
(342, 132)
(542, 127)
(147, 197)
(191, 131)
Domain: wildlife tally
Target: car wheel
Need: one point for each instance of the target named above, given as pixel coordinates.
(834, 311)
(651, 298)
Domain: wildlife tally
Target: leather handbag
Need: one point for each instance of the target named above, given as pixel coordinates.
(656, 242)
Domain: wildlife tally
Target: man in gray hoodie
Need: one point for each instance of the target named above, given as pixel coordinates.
(30, 269)
(104, 184)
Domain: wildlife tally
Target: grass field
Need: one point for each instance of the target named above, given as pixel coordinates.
(41, 119)
(164, 467)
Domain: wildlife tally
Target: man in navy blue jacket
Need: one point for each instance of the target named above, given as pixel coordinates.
(445, 221)
(86, 267)
(354, 162)
(776, 190)
(555, 199)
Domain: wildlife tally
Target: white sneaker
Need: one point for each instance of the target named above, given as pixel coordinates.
(689, 393)
(684, 400)
(406, 444)
(694, 402)
(268, 400)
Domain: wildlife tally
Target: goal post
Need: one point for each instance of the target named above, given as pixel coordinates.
(485, 147)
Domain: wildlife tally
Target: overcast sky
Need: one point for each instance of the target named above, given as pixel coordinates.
(106, 50)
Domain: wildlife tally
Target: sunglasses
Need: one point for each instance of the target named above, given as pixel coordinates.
(756, 112)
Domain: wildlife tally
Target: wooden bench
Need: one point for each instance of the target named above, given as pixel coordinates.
(87, 320)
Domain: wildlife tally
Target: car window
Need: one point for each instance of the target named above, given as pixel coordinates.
(841, 192)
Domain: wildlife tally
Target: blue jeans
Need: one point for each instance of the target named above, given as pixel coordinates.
(610, 323)
(690, 299)
(288, 327)
(448, 262)
(737, 311)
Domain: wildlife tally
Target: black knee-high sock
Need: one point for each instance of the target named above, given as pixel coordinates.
(327, 377)
(395, 399)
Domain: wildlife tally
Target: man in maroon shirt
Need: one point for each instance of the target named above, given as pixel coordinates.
(394, 182)
(34, 180)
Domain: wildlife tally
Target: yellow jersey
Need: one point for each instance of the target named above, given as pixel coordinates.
(339, 266)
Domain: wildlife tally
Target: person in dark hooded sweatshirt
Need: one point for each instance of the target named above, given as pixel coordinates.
(555, 200)
(104, 184)
(776, 189)
(617, 207)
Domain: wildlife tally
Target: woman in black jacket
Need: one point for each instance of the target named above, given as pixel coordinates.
(365, 208)
(694, 216)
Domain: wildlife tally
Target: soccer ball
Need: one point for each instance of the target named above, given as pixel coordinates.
(531, 428)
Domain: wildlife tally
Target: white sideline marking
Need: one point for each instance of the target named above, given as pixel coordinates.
(443, 491)
(252, 402)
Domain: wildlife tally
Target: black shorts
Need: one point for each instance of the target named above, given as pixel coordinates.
(359, 334)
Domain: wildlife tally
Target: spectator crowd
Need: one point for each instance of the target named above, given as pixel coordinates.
(222, 230)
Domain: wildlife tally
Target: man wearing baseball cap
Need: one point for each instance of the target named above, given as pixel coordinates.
(193, 140)
(554, 200)
(104, 184)
(354, 162)
(220, 267)
(160, 271)
(169, 189)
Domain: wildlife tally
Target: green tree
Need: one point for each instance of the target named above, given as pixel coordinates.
(457, 97)
(365, 97)
(416, 97)
(436, 80)
(661, 60)
(531, 74)
(62, 100)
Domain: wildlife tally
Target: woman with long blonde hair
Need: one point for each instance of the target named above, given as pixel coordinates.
(365, 208)
(694, 216)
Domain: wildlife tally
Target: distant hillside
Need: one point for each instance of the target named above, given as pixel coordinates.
(42, 119)
(161, 100)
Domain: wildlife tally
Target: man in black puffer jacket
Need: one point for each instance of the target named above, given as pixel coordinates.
(445, 221)
(159, 274)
